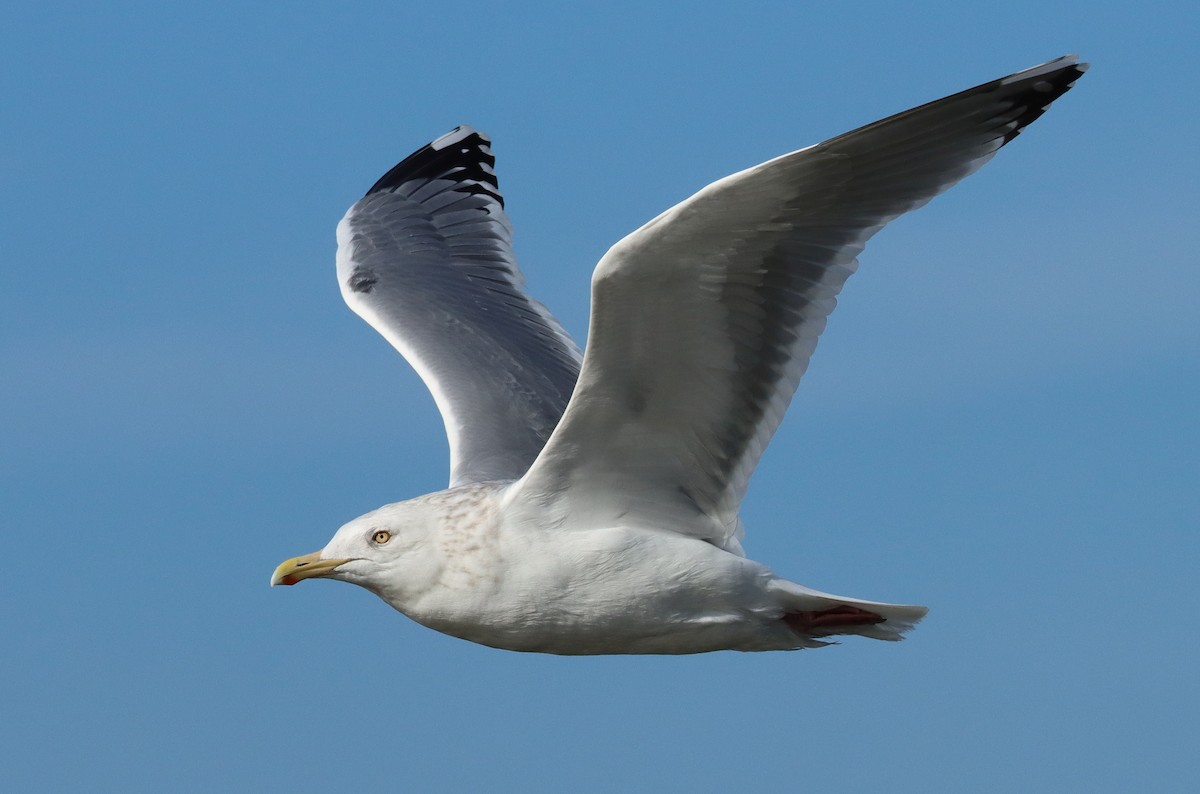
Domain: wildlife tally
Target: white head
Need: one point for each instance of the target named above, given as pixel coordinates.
(391, 551)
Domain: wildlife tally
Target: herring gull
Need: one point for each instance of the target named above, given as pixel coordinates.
(593, 498)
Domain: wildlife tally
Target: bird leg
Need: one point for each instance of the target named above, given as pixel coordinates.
(844, 615)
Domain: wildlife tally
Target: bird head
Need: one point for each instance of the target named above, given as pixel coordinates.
(388, 551)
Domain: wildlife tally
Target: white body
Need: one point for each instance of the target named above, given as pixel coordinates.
(482, 573)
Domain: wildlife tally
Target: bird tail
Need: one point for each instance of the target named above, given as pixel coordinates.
(812, 614)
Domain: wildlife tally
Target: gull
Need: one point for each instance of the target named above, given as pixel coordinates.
(593, 497)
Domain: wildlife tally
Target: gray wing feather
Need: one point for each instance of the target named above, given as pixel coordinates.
(704, 320)
(426, 258)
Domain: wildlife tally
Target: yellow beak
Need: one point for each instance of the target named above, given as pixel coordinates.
(305, 567)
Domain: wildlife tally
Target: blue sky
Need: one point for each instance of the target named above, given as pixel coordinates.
(1001, 421)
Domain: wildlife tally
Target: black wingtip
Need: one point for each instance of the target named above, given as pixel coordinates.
(463, 155)
(1038, 87)
(1016, 101)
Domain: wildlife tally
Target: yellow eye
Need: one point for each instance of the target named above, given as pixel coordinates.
(381, 536)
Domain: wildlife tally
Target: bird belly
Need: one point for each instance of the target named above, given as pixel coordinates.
(612, 590)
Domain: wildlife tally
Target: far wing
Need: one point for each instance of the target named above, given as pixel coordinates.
(704, 319)
(426, 258)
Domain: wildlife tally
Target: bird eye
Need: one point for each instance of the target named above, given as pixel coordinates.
(381, 536)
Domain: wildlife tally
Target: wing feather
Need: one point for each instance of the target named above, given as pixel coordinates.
(704, 319)
(426, 258)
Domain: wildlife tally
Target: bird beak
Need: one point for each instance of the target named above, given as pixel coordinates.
(305, 567)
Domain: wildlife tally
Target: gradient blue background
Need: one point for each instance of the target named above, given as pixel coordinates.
(1001, 421)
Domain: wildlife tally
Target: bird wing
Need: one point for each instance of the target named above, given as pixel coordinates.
(704, 319)
(425, 257)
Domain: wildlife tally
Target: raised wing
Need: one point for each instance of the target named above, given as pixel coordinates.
(426, 258)
(704, 319)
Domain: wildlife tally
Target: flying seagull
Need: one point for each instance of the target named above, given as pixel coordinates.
(593, 498)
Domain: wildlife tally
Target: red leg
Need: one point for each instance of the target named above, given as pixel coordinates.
(825, 619)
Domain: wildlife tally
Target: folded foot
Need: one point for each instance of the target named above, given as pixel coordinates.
(826, 621)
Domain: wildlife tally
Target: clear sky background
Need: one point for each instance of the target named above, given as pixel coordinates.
(1001, 421)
